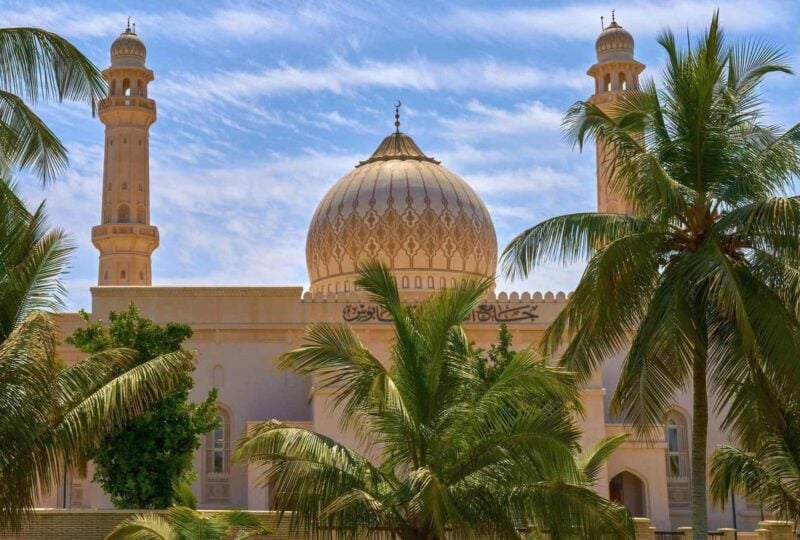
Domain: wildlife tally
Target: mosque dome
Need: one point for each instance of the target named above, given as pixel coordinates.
(614, 43)
(402, 207)
(128, 50)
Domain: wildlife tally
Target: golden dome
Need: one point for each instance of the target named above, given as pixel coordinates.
(404, 208)
(128, 50)
(614, 43)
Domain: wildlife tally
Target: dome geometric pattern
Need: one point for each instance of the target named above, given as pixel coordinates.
(401, 207)
(128, 49)
(614, 43)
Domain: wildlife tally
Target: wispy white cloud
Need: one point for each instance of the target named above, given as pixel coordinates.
(488, 121)
(254, 23)
(341, 76)
(582, 20)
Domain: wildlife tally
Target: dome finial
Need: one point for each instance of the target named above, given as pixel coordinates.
(613, 16)
(397, 115)
(128, 28)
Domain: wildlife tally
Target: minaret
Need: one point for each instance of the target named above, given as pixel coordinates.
(125, 237)
(615, 72)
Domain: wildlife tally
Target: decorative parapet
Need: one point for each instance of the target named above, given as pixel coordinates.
(514, 308)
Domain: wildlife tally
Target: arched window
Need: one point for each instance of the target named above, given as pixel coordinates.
(404, 282)
(218, 456)
(123, 275)
(677, 436)
(141, 214)
(123, 213)
(623, 83)
(126, 87)
(607, 83)
(442, 282)
(218, 445)
(418, 282)
(430, 282)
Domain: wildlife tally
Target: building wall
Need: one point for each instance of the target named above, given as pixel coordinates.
(238, 332)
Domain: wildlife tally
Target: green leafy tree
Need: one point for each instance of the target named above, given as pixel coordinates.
(702, 281)
(459, 458)
(54, 416)
(493, 361)
(139, 464)
(183, 522)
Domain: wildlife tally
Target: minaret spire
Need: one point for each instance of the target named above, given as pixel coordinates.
(125, 238)
(397, 116)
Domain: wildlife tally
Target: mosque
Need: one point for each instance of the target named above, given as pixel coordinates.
(399, 205)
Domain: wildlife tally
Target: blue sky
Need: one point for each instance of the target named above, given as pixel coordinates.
(264, 105)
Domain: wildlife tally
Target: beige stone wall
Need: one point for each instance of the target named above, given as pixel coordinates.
(49, 524)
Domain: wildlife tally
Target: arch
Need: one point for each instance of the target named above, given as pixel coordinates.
(218, 376)
(430, 282)
(676, 434)
(126, 87)
(622, 81)
(404, 282)
(630, 490)
(123, 275)
(418, 282)
(141, 214)
(607, 83)
(442, 282)
(141, 277)
(123, 213)
(347, 286)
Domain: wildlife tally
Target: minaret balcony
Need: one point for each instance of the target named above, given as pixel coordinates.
(125, 237)
(127, 101)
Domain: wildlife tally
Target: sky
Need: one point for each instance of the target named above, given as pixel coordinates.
(262, 106)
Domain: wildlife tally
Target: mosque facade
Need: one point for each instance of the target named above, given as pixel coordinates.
(399, 205)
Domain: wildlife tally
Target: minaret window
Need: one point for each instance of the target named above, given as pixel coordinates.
(140, 214)
(623, 83)
(123, 213)
(124, 186)
(126, 87)
(607, 83)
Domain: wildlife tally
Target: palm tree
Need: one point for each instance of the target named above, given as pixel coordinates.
(458, 457)
(38, 66)
(54, 416)
(702, 281)
(183, 522)
(766, 467)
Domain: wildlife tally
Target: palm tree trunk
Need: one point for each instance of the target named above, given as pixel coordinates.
(699, 442)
